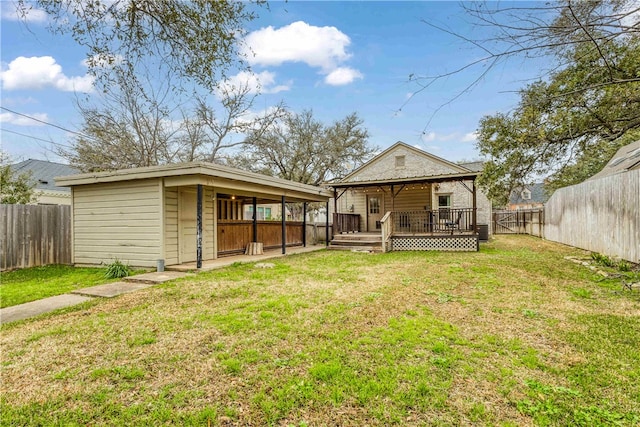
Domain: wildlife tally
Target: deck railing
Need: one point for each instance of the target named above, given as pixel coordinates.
(442, 220)
(346, 223)
(386, 225)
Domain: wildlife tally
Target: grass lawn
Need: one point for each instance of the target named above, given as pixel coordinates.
(513, 335)
(30, 284)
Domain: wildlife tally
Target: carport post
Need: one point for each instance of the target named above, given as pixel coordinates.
(304, 224)
(326, 229)
(255, 220)
(199, 228)
(284, 228)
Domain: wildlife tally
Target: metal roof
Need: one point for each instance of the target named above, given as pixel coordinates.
(44, 173)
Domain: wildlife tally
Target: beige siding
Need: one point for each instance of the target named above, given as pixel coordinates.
(207, 224)
(415, 164)
(462, 198)
(171, 225)
(117, 221)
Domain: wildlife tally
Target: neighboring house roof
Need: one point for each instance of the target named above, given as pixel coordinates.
(537, 195)
(43, 173)
(626, 158)
(443, 170)
(212, 174)
(476, 166)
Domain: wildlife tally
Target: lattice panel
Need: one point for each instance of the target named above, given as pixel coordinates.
(456, 244)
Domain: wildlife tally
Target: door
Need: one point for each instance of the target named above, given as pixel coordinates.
(375, 212)
(187, 207)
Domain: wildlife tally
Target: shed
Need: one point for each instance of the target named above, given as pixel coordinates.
(178, 213)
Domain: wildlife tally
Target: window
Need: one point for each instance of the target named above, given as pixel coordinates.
(399, 161)
(374, 205)
(526, 194)
(444, 206)
(444, 201)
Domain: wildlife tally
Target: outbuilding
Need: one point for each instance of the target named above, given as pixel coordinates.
(179, 213)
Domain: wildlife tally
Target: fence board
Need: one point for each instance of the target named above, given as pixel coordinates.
(34, 235)
(600, 215)
(524, 221)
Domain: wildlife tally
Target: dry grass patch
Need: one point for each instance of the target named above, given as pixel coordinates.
(499, 337)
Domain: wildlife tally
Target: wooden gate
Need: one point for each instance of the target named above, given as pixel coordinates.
(526, 221)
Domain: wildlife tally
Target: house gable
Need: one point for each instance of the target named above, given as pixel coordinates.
(403, 161)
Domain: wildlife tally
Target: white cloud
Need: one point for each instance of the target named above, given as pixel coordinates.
(342, 76)
(318, 47)
(323, 47)
(470, 137)
(264, 82)
(39, 72)
(10, 12)
(14, 119)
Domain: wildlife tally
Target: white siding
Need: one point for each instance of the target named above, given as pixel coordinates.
(117, 221)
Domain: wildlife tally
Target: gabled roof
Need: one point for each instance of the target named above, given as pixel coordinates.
(538, 194)
(459, 170)
(44, 172)
(625, 159)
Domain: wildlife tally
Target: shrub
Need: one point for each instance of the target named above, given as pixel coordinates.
(116, 270)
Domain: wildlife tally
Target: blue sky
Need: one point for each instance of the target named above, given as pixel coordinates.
(332, 57)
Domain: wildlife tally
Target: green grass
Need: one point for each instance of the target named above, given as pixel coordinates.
(30, 284)
(512, 335)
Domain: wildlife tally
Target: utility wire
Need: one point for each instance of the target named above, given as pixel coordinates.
(48, 124)
(34, 137)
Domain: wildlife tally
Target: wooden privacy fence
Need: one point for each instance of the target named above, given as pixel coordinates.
(600, 215)
(33, 235)
(524, 221)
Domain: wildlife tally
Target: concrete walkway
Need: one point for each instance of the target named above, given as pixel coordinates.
(109, 290)
(134, 283)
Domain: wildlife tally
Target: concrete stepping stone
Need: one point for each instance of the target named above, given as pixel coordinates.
(34, 308)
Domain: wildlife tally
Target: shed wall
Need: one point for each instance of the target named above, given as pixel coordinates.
(117, 221)
(171, 225)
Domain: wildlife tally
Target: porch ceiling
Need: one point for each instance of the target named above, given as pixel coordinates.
(433, 179)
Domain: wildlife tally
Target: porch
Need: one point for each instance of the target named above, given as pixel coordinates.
(441, 229)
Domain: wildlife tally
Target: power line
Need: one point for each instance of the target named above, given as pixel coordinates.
(48, 124)
(34, 137)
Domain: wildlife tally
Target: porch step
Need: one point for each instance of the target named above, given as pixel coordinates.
(357, 242)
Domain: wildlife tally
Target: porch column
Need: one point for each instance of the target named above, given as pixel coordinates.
(326, 229)
(284, 228)
(304, 224)
(199, 228)
(255, 220)
(335, 212)
(474, 215)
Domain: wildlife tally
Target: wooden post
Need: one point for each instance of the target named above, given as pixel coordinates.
(284, 228)
(199, 228)
(304, 224)
(326, 229)
(336, 230)
(255, 220)
(474, 216)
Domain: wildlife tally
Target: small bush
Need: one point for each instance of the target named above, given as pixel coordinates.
(602, 259)
(116, 270)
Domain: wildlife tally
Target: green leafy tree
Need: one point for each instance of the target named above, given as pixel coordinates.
(14, 188)
(301, 148)
(565, 128)
(195, 39)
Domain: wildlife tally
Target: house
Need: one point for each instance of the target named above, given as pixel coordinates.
(179, 213)
(626, 159)
(530, 196)
(43, 174)
(415, 199)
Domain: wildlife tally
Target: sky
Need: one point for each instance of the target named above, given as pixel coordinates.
(331, 57)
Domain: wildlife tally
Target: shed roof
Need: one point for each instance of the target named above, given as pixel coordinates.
(207, 174)
(44, 173)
